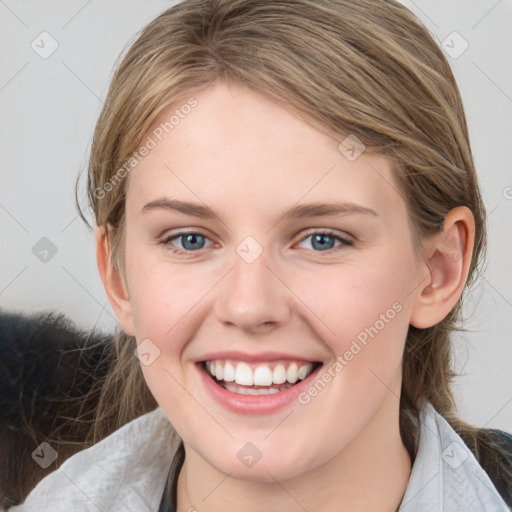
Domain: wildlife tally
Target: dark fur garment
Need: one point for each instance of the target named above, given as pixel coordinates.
(50, 373)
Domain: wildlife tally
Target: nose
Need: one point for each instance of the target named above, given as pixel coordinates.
(253, 297)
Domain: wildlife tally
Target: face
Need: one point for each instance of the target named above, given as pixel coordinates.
(309, 305)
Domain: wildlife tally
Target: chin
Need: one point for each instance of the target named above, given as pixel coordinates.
(273, 465)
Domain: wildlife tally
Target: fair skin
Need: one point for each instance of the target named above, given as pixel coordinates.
(250, 160)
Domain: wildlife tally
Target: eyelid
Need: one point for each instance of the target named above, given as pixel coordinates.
(346, 238)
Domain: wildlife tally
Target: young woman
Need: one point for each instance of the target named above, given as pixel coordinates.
(287, 217)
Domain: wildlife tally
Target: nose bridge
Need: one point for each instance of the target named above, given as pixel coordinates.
(252, 296)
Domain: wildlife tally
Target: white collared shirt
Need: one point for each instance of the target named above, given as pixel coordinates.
(127, 471)
(445, 475)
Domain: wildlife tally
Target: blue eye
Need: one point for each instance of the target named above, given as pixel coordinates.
(191, 241)
(324, 240)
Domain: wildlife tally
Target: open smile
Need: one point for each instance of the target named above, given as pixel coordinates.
(256, 387)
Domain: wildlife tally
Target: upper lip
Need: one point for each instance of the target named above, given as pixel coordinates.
(252, 357)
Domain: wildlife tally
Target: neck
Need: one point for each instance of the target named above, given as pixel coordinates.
(369, 474)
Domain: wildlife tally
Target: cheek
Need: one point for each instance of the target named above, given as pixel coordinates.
(367, 311)
(363, 318)
(352, 299)
(162, 294)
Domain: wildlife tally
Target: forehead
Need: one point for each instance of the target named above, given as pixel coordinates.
(235, 144)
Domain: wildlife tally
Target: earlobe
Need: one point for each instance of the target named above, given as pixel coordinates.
(115, 288)
(446, 268)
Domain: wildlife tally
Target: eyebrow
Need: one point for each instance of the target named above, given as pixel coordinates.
(297, 212)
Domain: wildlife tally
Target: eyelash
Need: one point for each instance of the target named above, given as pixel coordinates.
(326, 232)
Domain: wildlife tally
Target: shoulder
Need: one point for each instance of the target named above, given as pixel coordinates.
(123, 472)
(446, 475)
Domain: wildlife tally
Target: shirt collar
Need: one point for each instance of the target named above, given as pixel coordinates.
(127, 471)
(445, 475)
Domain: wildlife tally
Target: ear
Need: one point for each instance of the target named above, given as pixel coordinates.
(115, 287)
(448, 260)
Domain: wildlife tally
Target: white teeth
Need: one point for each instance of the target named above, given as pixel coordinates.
(303, 371)
(291, 373)
(229, 372)
(242, 390)
(219, 371)
(262, 376)
(243, 375)
(279, 374)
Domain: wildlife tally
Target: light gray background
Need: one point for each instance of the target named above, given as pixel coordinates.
(49, 108)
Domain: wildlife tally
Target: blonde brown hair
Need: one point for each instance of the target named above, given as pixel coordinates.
(368, 68)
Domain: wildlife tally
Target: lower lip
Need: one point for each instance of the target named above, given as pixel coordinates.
(254, 404)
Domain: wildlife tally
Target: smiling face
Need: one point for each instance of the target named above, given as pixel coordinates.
(265, 288)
